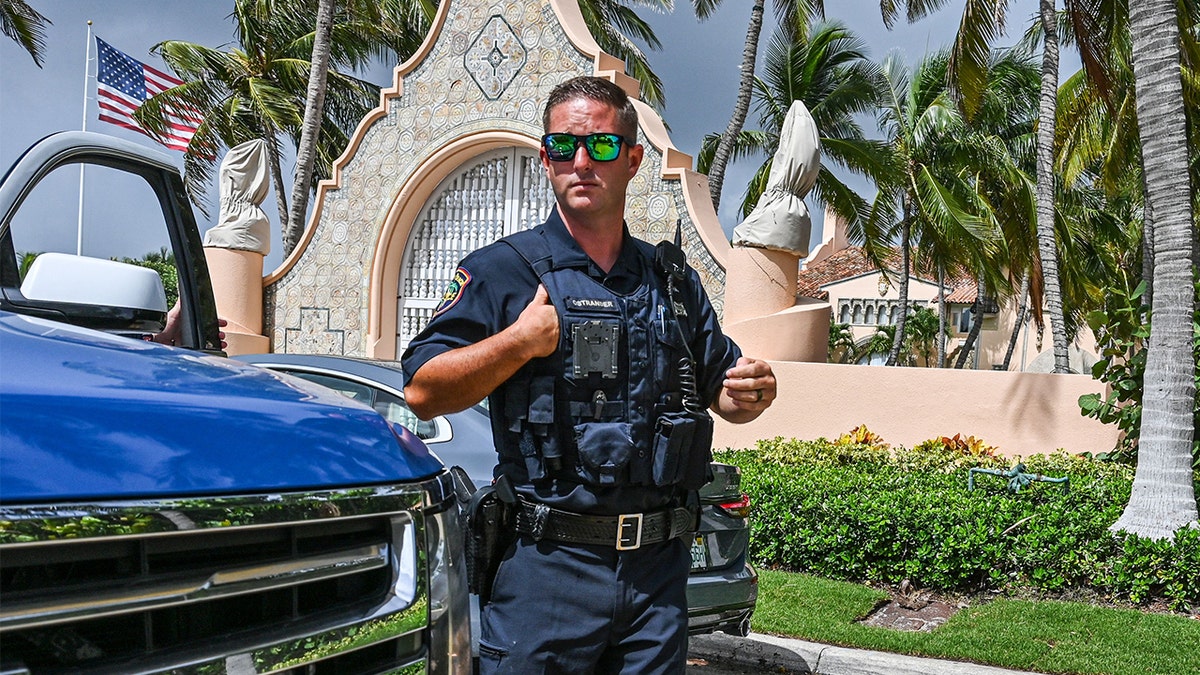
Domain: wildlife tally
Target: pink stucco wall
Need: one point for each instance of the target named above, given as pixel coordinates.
(1020, 413)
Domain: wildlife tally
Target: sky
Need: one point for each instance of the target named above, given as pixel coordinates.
(698, 64)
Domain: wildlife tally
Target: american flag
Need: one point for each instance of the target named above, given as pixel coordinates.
(123, 84)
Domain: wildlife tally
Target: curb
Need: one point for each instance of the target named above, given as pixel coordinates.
(767, 653)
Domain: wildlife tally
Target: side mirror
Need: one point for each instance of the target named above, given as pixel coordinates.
(95, 293)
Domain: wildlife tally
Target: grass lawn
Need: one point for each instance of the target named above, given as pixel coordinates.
(1045, 636)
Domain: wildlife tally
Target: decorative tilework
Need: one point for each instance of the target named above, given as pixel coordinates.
(444, 98)
(314, 336)
(494, 58)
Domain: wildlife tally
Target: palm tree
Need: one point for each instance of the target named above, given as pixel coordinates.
(793, 15)
(1101, 143)
(941, 206)
(914, 113)
(614, 25)
(1006, 116)
(26, 26)
(982, 22)
(310, 126)
(1086, 232)
(1046, 182)
(825, 67)
(259, 87)
(413, 19)
(1163, 498)
(1007, 113)
(924, 327)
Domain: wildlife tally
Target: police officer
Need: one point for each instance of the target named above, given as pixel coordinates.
(601, 357)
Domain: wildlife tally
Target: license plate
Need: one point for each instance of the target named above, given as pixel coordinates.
(699, 553)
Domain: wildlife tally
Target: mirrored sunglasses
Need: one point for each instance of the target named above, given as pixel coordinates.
(600, 147)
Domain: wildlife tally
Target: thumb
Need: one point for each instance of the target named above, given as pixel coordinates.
(541, 297)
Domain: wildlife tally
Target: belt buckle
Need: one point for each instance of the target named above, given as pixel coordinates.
(629, 521)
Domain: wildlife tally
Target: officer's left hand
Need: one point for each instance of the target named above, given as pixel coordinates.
(173, 328)
(749, 385)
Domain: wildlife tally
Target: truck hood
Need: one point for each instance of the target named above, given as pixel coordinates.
(84, 414)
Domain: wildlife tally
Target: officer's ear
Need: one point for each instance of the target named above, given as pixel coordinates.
(635, 158)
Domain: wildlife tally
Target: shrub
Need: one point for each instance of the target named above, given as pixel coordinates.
(166, 270)
(867, 513)
(861, 435)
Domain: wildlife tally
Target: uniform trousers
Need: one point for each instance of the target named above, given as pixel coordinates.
(575, 608)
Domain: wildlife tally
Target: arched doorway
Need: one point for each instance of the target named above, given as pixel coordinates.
(490, 196)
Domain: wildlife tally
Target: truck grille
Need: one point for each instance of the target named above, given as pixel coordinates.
(272, 582)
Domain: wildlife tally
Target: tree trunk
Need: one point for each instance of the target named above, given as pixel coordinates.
(905, 255)
(941, 298)
(716, 173)
(310, 131)
(276, 178)
(1022, 312)
(976, 325)
(1047, 245)
(1163, 498)
(1147, 244)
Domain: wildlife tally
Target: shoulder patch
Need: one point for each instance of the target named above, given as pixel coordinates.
(454, 291)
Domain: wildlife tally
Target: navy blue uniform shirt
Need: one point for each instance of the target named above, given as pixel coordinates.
(491, 288)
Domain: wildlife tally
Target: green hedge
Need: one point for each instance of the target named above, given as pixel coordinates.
(862, 512)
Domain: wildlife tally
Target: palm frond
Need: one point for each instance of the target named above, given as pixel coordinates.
(705, 8)
(25, 26)
(982, 23)
(615, 26)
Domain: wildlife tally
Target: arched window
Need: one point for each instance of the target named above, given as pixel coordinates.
(844, 314)
(870, 314)
(494, 194)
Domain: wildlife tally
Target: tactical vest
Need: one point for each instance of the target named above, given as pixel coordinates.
(608, 407)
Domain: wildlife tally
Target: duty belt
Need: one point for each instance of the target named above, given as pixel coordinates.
(626, 532)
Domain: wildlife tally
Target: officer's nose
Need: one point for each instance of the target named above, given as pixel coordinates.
(582, 159)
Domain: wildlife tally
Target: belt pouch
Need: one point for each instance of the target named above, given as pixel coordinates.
(673, 433)
(604, 450)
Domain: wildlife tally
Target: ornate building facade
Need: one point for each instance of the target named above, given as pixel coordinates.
(447, 163)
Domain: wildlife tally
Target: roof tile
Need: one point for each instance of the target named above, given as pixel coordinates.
(852, 262)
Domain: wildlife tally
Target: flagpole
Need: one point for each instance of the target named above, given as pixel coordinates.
(86, 59)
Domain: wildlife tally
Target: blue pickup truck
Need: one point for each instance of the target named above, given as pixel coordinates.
(165, 509)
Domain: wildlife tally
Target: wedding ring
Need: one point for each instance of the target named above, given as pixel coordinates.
(758, 392)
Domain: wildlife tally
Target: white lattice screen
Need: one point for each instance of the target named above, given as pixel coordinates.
(475, 207)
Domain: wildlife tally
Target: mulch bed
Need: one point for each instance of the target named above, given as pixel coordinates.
(910, 609)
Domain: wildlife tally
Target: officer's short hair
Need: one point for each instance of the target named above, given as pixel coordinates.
(596, 89)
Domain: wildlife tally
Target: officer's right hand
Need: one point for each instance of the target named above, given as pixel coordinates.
(539, 324)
